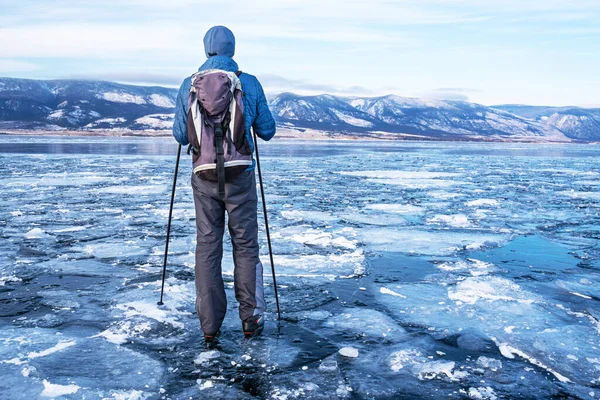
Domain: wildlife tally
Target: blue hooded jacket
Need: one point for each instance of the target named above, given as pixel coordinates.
(219, 46)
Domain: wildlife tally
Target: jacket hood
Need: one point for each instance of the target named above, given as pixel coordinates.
(219, 41)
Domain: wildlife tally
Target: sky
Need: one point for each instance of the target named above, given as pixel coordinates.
(539, 52)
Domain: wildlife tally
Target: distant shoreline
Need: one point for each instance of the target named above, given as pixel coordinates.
(292, 134)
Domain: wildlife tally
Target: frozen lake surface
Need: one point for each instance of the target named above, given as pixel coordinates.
(406, 270)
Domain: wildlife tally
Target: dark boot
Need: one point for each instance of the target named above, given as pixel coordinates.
(253, 326)
(211, 340)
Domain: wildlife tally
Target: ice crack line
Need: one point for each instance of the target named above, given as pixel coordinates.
(509, 351)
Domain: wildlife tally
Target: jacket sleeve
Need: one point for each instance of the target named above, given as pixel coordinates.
(264, 124)
(179, 122)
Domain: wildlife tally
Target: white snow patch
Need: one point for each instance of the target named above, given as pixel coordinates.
(113, 337)
(330, 266)
(352, 120)
(482, 203)
(385, 290)
(437, 243)
(417, 183)
(415, 102)
(52, 390)
(71, 229)
(288, 113)
(35, 233)
(26, 371)
(58, 114)
(482, 393)
(111, 121)
(109, 250)
(299, 215)
(207, 356)
(350, 352)
(357, 102)
(60, 179)
(133, 190)
(385, 174)
(588, 183)
(14, 361)
(129, 395)
(157, 121)
(491, 363)
(396, 208)
(400, 359)
(161, 101)
(485, 288)
(457, 220)
(11, 278)
(408, 179)
(367, 219)
(121, 332)
(344, 243)
(580, 195)
(60, 346)
(509, 329)
(473, 266)
(122, 98)
(436, 369)
(150, 310)
(439, 194)
(315, 237)
(206, 385)
(112, 210)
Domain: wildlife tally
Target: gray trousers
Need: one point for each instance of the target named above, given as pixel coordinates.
(240, 202)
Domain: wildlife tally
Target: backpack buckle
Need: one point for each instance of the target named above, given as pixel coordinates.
(192, 149)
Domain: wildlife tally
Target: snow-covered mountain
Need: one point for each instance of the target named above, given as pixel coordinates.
(575, 122)
(72, 104)
(430, 118)
(98, 105)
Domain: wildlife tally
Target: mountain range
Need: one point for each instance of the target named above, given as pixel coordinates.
(98, 105)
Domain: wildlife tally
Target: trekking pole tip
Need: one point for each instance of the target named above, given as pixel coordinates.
(160, 303)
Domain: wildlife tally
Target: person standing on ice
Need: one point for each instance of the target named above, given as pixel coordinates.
(232, 191)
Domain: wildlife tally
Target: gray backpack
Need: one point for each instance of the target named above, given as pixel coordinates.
(215, 127)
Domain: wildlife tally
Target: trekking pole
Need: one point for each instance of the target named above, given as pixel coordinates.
(162, 289)
(262, 192)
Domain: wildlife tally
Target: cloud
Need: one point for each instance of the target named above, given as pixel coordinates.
(8, 65)
(459, 94)
(106, 41)
(71, 28)
(346, 47)
(135, 78)
(275, 83)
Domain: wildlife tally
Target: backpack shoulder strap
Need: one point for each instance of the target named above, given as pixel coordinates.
(238, 73)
